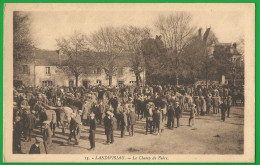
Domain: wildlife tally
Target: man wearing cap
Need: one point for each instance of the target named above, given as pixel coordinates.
(47, 134)
(35, 148)
(131, 121)
(192, 114)
(92, 131)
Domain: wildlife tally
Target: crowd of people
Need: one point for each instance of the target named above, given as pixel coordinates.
(114, 108)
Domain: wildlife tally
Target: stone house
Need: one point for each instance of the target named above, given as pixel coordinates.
(44, 71)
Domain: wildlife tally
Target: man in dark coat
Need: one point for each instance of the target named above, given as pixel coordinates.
(178, 113)
(171, 116)
(107, 125)
(123, 123)
(29, 124)
(229, 104)
(113, 127)
(156, 119)
(92, 131)
(131, 121)
(208, 103)
(223, 107)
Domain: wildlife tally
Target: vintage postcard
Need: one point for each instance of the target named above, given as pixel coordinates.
(146, 82)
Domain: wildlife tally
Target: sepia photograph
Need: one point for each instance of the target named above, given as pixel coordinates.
(129, 82)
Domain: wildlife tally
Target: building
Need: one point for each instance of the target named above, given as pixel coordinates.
(45, 71)
(236, 75)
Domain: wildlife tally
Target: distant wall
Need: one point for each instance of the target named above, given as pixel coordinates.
(58, 77)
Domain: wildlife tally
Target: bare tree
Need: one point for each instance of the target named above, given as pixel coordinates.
(104, 41)
(23, 44)
(75, 52)
(175, 30)
(130, 43)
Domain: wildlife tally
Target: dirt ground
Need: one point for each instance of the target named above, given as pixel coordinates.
(210, 135)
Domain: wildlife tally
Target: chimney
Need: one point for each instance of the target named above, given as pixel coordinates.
(235, 45)
(199, 32)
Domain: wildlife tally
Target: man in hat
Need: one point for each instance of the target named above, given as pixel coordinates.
(229, 104)
(156, 119)
(208, 103)
(108, 126)
(123, 122)
(171, 115)
(223, 107)
(35, 148)
(192, 114)
(92, 131)
(178, 113)
(47, 136)
(131, 121)
(215, 102)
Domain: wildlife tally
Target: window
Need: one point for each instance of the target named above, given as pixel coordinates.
(47, 83)
(26, 69)
(85, 83)
(120, 71)
(132, 82)
(47, 70)
(98, 70)
(71, 82)
(120, 83)
(99, 82)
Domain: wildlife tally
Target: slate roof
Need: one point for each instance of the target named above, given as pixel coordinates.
(52, 58)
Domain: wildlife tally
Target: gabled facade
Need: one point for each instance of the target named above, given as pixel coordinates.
(44, 71)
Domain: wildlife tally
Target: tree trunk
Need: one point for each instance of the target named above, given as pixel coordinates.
(110, 80)
(177, 79)
(207, 78)
(77, 79)
(138, 79)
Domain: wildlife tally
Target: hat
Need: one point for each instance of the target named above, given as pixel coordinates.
(80, 111)
(92, 115)
(193, 105)
(46, 122)
(33, 112)
(38, 140)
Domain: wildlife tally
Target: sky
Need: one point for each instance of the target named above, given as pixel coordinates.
(48, 26)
